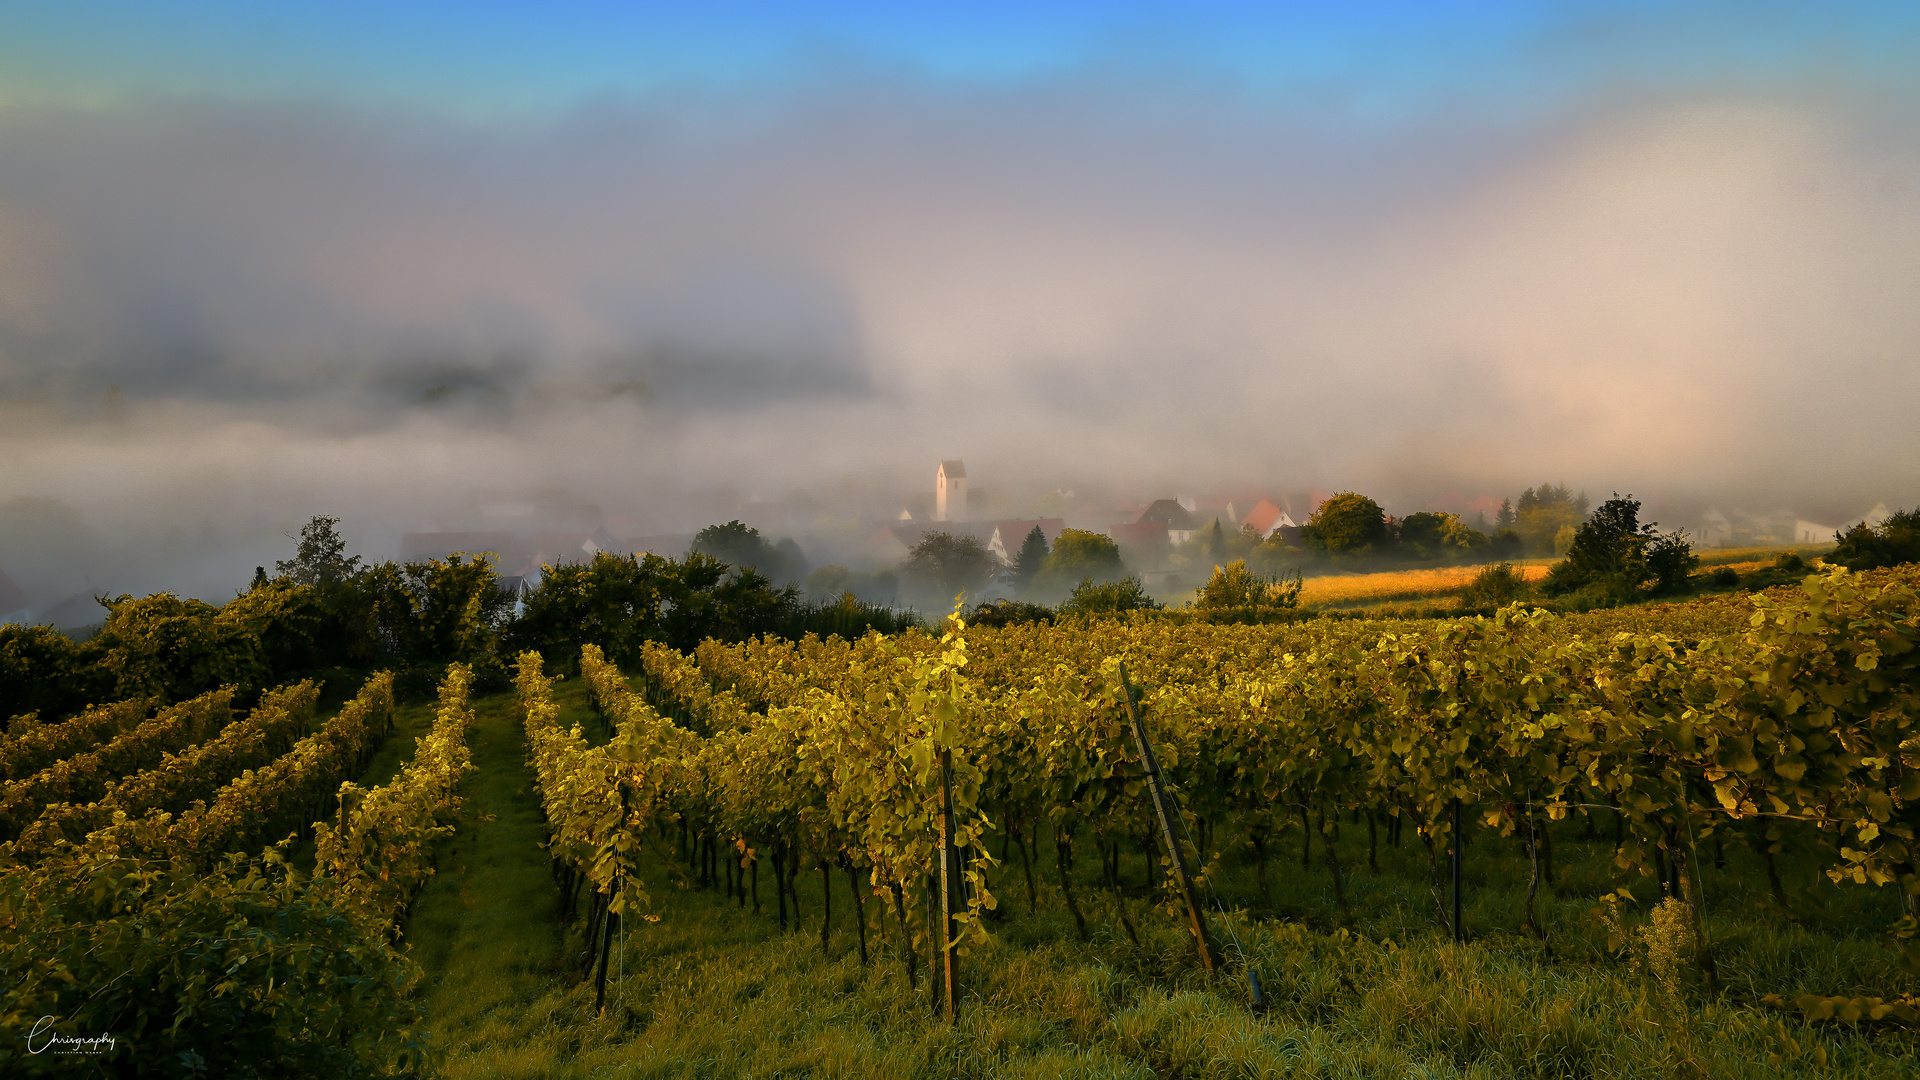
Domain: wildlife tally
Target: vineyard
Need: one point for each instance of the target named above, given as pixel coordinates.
(177, 889)
(1662, 840)
(1691, 743)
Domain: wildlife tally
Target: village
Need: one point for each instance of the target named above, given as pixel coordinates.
(826, 551)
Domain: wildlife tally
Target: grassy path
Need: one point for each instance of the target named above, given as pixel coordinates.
(487, 927)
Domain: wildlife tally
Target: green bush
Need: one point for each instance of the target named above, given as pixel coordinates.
(1234, 587)
(43, 671)
(1869, 547)
(249, 971)
(1091, 598)
(1010, 613)
(850, 618)
(1079, 555)
(172, 649)
(1494, 586)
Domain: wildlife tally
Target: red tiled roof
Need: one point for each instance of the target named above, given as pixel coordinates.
(1264, 516)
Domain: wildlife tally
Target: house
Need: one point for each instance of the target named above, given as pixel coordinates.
(1140, 538)
(1231, 509)
(1809, 532)
(14, 606)
(950, 491)
(1178, 521)
(891, 543)
(1266, 516)
(1714, 530)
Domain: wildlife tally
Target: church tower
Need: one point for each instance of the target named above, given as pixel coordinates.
(950, 492)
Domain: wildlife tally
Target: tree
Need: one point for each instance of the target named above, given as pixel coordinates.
(1079, 555)
(1507, 518)
(738, 544)
(294, 624)
(1670, 560)
(1217, 545)
(1028, 560)
(943, 565)
(1439, 536)
(829, 583)
(789, 563)
(1612, 552)
(321, 558)
(1212, 543)
(1543, 512)
(438, 610)
(1274, 557)
(620, 602)
(1867, 547)
(1348, 524)
(734, 543)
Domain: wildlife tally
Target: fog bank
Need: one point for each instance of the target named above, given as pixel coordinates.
(217, 319)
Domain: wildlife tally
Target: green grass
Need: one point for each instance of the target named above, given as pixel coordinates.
(715, 990)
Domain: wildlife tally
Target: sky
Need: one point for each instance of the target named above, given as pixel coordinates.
(404, 263)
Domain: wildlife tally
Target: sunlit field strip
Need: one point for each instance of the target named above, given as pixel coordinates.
(1401, 584)
(1438, 582)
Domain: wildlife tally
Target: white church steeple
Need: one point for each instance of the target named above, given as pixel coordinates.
(950, 491)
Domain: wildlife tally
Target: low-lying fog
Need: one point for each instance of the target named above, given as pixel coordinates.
(655, 313)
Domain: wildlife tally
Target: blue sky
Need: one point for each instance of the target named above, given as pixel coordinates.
(491, 58)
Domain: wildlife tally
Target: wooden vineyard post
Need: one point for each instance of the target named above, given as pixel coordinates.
(1166, 824)
(606, 943)
(606, 947)
(780, 879)
(949, 886)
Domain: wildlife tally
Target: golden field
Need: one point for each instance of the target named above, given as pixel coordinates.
(1441, 583)
(1340, 589)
